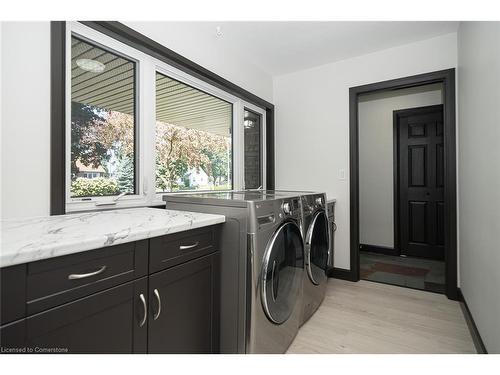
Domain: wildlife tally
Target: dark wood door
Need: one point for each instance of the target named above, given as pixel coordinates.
(421, 181)
(105, 322)
(184, 300)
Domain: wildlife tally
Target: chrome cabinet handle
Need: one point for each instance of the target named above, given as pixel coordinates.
(334, 225)
(143, 300)
(157, 295)
(75, 276)
(187, 247)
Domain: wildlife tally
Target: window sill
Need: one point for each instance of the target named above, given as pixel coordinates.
(90, 206)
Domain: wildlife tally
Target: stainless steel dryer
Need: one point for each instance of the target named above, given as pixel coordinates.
(317, 250)
(262, 267)
(330, 209)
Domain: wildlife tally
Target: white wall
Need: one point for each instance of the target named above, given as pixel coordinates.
(186, 39)
(479, 175)
(312, 119)
(25, 75)
(376, 159)
(25, 143)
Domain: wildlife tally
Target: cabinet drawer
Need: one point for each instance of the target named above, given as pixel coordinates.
(170, 250)
(59, 280)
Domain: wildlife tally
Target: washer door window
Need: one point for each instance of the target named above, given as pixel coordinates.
(282, 272)
(317, 248)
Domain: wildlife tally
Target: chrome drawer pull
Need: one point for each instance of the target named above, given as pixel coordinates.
(75, 276)
(157, 295)
(143, 300)
(187, 247)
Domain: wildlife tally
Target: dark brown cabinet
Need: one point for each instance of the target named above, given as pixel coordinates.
(104, 322)
(184, 308)
(175, 310)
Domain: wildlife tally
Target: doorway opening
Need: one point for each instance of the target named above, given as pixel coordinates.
(401, 187)
(403, 182)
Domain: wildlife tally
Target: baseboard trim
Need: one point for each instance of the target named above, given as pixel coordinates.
(476, 337)
(379, 249)
(340, 273)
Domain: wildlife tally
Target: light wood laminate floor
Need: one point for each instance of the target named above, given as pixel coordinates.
(368, 317)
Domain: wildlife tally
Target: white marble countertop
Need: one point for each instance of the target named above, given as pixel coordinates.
(36, 238)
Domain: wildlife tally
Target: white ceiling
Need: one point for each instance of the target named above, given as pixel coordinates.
(283, 47)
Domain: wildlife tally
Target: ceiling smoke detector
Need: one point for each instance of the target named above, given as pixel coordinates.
(218, 32)
(90, 65)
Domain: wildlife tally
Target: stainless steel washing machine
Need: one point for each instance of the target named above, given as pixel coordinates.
(262, 267)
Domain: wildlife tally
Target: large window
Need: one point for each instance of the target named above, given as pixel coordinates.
(138, 128)
(102, 121)
(193, 138)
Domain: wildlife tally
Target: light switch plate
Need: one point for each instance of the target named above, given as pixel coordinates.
(341, 174)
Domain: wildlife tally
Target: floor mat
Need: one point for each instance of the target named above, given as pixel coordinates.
(415, 273)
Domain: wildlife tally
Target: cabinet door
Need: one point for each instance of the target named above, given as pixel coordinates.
(12, 337)
(105, 322)
(12, 293)
(184, 316)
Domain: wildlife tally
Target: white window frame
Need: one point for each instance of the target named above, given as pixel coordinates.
(196, 83)
(145, 123)
(262, 113)
(114, 46)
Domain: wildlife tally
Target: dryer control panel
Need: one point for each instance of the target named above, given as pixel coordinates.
(290, 206)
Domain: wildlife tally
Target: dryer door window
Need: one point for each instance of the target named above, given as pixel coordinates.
(317, 248)
(282, 272)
